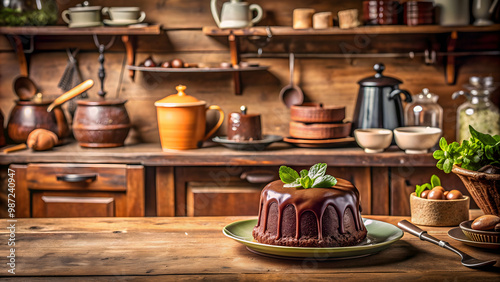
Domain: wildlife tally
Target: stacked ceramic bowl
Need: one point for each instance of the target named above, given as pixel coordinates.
(419, 12)
(313, 121)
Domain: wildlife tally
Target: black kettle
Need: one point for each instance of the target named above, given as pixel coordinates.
(379, 102)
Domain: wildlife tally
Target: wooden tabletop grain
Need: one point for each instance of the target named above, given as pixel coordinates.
(186, 249)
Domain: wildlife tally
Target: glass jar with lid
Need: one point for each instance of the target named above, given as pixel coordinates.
(424, 110)
(478, 110)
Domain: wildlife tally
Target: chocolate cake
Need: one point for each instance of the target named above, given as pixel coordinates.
(314, 217)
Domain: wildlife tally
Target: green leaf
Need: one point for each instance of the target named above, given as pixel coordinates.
(325, 181)
(497, 138)
(443, 144)
(484, 138)
(447, 166)
(295, 184)
(435, 181)
(420, 188)
(288, 175)
(317, 170)
(303, 173)
(306, 182)
(439, 164)
(438, 154)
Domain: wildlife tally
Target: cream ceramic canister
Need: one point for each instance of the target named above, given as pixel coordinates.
(181, 121)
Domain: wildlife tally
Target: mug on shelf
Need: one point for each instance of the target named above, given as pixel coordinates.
(124, 14)
(87, 16)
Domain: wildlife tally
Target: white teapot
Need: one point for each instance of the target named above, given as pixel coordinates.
(236, 14)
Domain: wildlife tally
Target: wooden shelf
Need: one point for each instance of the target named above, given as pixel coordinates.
(452, 33)
(127, 35)
(387, 29)
(64, 30)
(195, 70)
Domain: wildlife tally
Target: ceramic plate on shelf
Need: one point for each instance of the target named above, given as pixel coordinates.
(380, 236)
(320, 143)
(457, 234)
(257, 145)
(119, 23)
(89, 24)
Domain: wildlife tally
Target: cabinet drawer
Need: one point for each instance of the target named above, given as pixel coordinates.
(217, 201)
(92, 177)
(70, 204)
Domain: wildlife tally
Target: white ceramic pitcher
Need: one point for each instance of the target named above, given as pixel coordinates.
(236, 14)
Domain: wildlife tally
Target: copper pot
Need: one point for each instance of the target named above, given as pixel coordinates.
(28, 115)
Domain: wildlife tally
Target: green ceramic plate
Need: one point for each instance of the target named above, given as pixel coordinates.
(380, 236)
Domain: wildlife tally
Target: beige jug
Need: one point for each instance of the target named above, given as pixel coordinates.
(236, 14)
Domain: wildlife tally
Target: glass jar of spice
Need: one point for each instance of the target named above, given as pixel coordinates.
(424, 110)
(478, 111)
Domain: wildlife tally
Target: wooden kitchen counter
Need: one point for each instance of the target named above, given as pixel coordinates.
(186, 249)
(151, 154)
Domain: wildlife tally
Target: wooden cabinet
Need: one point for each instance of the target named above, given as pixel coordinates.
(235, 190)
(79, 190)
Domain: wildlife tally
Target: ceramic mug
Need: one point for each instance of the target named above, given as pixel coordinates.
(119, 14)
(82, 16)
(453, 12)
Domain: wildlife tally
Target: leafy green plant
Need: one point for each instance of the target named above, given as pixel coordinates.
(480, 150)
(316, 177)
(435, 181)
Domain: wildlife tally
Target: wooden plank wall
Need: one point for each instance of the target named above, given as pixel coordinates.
(331, 81)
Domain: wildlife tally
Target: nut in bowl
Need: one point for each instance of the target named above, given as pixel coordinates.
(416, 139)
(373, 140)
(485, 228)
(432, 205)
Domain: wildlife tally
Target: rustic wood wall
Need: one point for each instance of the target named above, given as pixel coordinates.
(331, 81)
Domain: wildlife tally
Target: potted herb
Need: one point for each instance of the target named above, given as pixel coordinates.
(477, 162)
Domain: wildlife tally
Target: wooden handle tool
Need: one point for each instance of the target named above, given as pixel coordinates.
(77, 90)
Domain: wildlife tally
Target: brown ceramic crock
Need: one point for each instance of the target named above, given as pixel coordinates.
(101, 123)
(181, 121)
(242, 126)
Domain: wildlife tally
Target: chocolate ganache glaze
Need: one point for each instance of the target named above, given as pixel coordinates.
(314, 217)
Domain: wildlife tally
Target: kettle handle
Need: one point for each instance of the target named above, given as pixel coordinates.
(215, 13)
(219, 123)
(258, 9)
(396, 92)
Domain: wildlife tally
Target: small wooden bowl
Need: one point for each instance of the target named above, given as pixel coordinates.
(438, 212)
(316, 112)
(319, 130)
(479, 235)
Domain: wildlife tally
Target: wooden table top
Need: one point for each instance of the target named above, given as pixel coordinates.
(181, 248)
(212, 154)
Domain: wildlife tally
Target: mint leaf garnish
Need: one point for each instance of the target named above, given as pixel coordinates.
(435, 181)
(324, 181)
(288, 175)
(306, 182)
(317, 170)
(316, 177)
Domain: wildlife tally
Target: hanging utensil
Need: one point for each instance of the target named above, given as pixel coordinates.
(466, 259)
(84, 86)
(24, 88)
(291, 94)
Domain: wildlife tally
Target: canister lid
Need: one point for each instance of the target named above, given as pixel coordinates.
(181, 99)
(378, 79)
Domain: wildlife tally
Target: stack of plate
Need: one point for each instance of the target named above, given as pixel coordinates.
(313, 125)
(418, 12)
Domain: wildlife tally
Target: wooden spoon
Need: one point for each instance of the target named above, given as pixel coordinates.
(25, 88)
(72, 93)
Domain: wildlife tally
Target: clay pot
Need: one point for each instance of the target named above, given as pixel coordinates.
(101, 124)
(319, 130)
(27, 116)
(316, 112)
(181, 121)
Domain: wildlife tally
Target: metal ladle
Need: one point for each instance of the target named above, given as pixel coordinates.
(291, 94)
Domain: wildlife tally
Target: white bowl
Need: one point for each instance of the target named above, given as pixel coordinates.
(373, 140)
(416, 139)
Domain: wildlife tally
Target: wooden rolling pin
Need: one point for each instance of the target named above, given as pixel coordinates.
(77, 90)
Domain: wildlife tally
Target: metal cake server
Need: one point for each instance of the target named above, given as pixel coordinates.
(466, 259)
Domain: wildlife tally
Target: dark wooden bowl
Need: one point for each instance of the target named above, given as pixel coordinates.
(317, 113)
(319, 130)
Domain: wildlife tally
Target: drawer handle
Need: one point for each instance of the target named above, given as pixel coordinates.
(77, 177)
(258, 177)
